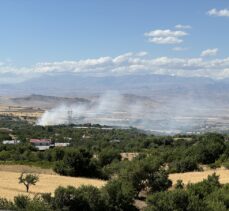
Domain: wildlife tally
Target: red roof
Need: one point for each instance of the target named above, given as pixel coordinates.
(40, 140)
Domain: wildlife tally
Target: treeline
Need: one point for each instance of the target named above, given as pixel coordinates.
(101, 153)
(178, 155)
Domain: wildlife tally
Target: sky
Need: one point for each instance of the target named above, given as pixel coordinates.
(101, 37)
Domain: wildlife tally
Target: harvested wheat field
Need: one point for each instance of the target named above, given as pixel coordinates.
(194, 177)
(9, 186)
(26, 169)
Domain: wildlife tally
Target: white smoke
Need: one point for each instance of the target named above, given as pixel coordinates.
(109, 109)
(113, 109)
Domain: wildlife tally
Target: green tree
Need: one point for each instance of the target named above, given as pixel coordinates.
(119, 195)
(108, 155)
(28, 179)
(83, 198)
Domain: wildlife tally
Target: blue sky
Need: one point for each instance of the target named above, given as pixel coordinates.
(50, 31)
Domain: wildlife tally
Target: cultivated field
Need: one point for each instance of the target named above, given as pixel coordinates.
(194, 177)
(9, 186)
(23, 112)
(49, 181)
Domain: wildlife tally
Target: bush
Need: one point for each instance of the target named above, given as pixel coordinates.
(146, 174)
(205, 195)
(168, 201)
(21, 201)
(24, 203)
(119, 195)
(179, 184)
(226, 164)
(78, 163)
(83, 198)
(6, 205)
(210, 148)
(107, 156)
(184, 165)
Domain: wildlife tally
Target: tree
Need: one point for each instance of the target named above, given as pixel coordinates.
(107, 156)
(168, 201)
(146, 174)
(210, 148)
(82, 198)
(77, 163)
(28, 179)
(119, 195)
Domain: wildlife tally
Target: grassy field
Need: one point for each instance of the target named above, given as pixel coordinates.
(48, 181)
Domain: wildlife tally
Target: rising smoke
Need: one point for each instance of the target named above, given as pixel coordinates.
(109, 109)
(114, 109)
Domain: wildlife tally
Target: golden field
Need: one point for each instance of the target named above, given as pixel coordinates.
(9, 186)
(21, 112)
(194, 177)
(49, 180)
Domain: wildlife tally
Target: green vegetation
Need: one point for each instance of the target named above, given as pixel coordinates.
(28, 179)
(96, 153)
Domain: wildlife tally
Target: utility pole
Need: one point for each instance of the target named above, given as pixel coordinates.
(70, 117)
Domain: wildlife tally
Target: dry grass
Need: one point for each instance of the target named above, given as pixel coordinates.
(9, 186)
(26, 169)
(194, 177)
(18, 111)
(129, 155)
(49, 181)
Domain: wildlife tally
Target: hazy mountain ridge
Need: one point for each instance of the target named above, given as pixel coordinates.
(146, 85)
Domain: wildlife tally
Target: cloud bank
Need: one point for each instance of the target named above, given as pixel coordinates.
(126, 64)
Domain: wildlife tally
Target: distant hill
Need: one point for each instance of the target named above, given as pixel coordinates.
(46, 101)
(158, 87)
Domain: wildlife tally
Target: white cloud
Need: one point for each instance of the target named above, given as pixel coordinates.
(125, 64)
(166, 36)
(219, 13)
(180, 26)
(142, 54)
(165, 40)
(165, 33)
(179, 49)
(210, 52)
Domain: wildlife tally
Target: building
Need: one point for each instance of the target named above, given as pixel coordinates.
(62, 144)
(42, 144)
(11, 142)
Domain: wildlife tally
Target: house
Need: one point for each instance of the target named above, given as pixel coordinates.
(86, 136)
(115, 141)
(62, 144)
(42, 144)
(11, 142)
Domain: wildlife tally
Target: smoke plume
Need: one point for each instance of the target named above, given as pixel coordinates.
(113, 109)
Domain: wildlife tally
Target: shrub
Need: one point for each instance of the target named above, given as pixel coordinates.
(83, 198)
(6, 205)
(107, 156)
(78, 163)
(119, 195)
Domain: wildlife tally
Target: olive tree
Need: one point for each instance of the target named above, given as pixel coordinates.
(28, 179)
